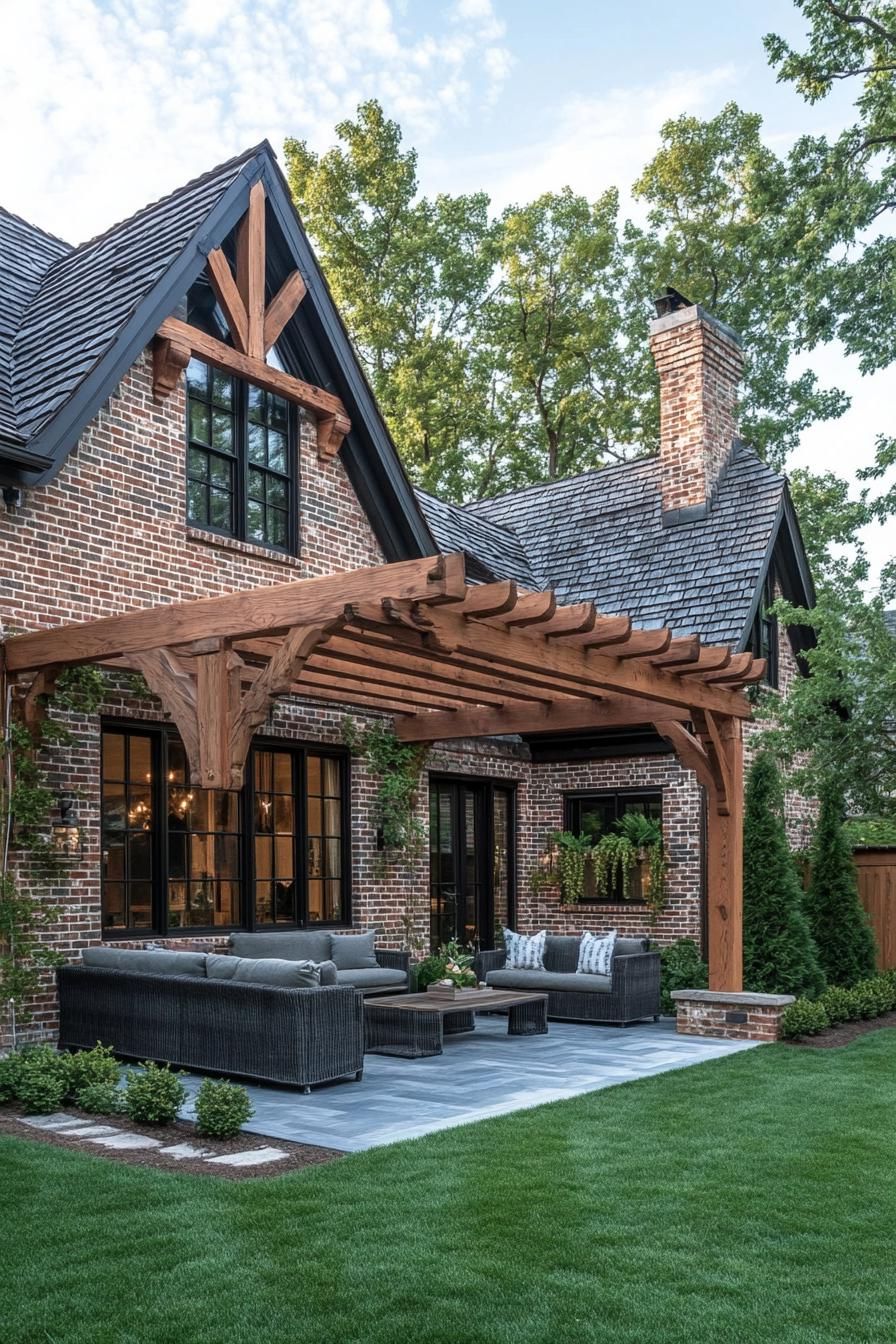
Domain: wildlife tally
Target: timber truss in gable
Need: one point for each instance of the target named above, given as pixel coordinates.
(445, 660)
(254, 326)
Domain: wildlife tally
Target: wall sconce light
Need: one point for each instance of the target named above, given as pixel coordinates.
(67, 838)
(547, 859)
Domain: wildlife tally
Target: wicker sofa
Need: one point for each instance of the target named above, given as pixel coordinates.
(629, 994)
(378, 970)
(266, 1032)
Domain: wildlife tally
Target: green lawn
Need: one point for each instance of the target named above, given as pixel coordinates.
(748, 1201)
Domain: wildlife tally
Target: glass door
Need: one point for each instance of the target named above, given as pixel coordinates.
(471, 860)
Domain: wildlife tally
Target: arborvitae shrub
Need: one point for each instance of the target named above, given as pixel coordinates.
(779, 954)
(840, 928)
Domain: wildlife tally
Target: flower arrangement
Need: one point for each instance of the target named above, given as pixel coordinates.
(453, 964)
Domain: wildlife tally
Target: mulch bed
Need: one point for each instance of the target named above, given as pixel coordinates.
(181, 1131)
(832, 1037)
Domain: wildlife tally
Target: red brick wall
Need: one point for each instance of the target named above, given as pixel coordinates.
(682, 821)
(699, 367)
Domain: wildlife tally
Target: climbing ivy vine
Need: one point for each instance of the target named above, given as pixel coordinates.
(26, 803)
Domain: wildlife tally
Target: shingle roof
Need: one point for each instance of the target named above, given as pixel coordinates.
(26, 254)
(458, 529)
(86, 294)
(600, 537)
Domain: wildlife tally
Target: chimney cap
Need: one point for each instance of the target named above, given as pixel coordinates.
(671, 302)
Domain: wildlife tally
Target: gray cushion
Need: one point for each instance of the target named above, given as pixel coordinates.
(629, 947)
(145, 961)
(368, 978)
(353, 951)
(265, 971)
(328, 974)
(544, 980)
(291, 945)
(561, 952)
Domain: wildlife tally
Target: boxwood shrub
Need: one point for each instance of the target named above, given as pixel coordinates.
(154, 1096)
(803, 1017)
(42, 1079)
(87, 1067)
(100, 1098)
(222, 1108)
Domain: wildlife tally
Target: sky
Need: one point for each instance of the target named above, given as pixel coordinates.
(106, 105)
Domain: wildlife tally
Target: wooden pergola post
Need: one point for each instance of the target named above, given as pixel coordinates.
(724, 868)
(714, 751)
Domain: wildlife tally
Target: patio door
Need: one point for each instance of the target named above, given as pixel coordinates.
(471, 860)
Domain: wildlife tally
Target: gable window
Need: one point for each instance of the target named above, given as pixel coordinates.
(595, 815)
(178, 858)
(764, 635)
(241, 459)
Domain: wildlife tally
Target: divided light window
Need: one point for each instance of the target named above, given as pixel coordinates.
(595, 815)
(178, 858)
(241, 459)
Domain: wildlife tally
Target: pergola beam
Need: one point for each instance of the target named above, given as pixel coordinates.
(256, 611)
(552, 718)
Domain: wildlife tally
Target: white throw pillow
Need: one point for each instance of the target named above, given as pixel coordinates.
(596, 953)
(524, 952)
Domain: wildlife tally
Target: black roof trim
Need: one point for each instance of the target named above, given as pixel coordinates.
(60, 435)
(373, 467)
(786, 553)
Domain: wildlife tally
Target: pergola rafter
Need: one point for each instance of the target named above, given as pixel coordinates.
(445, 660)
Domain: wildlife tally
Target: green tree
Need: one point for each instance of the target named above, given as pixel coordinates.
(718, 230)
(556, 331)
(779, 954)
(840, 928)
(842, 197)
(409, 275)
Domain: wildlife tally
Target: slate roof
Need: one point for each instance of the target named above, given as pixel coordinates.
(455, 528)
(26, 254)
(87, 293)
(600, 536)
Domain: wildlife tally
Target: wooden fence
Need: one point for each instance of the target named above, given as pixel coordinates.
(876, 872)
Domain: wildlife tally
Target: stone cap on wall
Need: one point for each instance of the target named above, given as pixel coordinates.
(727, 996)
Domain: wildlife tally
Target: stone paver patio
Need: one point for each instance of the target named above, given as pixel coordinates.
(481, 1074)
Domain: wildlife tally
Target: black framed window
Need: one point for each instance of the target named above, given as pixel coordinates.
(595, 814)
(178, 858)
(764, 636)
(241, 459)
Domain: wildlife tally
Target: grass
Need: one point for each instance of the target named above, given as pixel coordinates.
(744, 1201)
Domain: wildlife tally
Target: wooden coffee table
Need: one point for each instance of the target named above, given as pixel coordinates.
(413, 1025)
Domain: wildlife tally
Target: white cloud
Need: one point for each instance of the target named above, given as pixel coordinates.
(592, 142)
(108, 104)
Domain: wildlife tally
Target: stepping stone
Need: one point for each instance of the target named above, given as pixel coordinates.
(252, 1158)
(184, 1150)
(122, 1139)
(89, 1131)
(58, 1120)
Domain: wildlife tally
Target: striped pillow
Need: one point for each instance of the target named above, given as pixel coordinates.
(596, 953)
(524, 953)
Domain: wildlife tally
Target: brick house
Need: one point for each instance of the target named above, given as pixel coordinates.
(138, 475)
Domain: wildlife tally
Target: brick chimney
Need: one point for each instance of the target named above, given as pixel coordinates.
(700, 362)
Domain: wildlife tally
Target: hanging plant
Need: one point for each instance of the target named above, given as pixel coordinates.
(26, 804)
(397, 766)
(615, 859)
(573, 852)
(646, 837)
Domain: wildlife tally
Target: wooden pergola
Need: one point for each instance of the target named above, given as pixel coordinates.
(445, 660)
